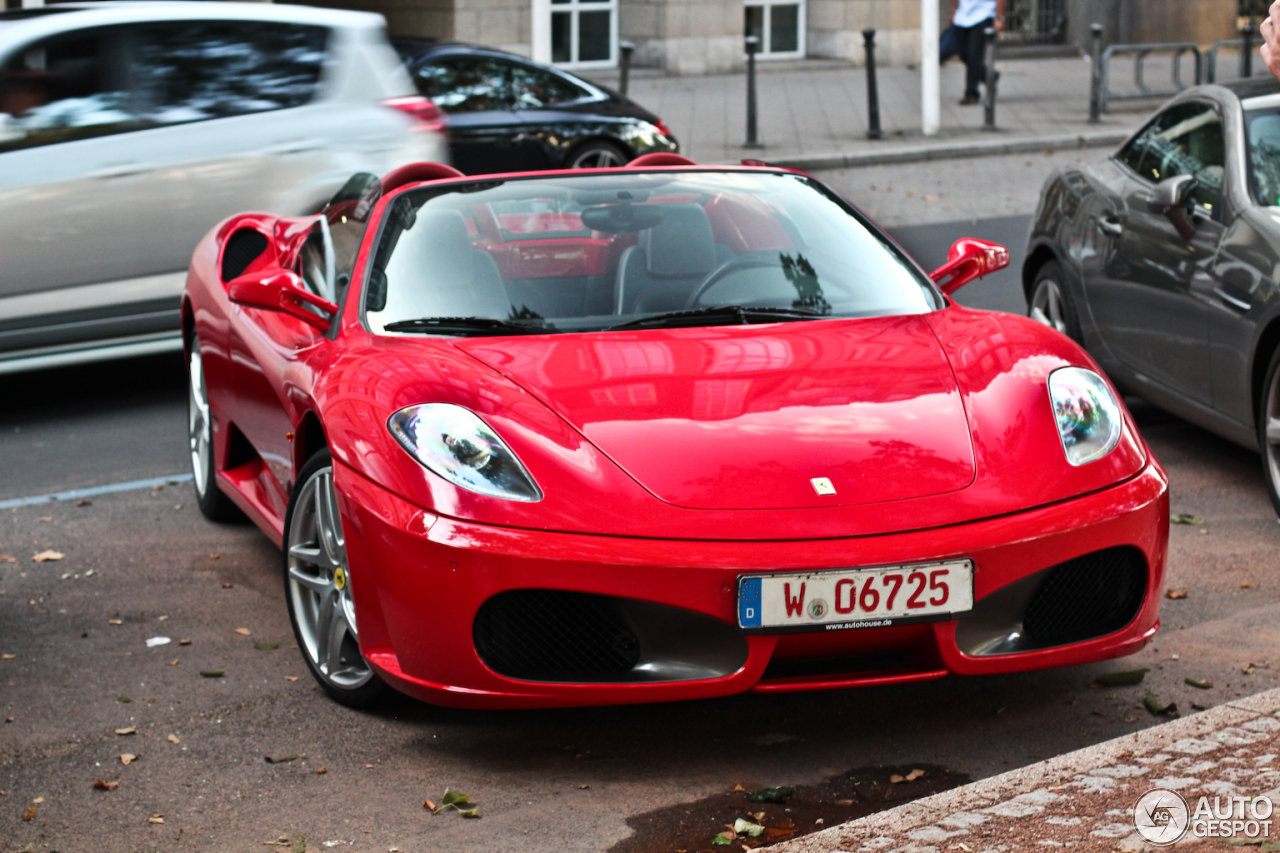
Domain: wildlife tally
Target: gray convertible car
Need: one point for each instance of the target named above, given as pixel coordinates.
(1163, 260)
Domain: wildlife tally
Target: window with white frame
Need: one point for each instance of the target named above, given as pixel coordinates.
(780, 26)
(584, 33)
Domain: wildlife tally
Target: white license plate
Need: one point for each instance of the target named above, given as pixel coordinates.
(854, 598)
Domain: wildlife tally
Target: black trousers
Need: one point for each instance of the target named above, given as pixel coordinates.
(970, 45)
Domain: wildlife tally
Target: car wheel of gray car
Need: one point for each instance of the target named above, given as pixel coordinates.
(212, 502)
(318, 589)
(1269, 430)
(598, 155)
(1050, 303)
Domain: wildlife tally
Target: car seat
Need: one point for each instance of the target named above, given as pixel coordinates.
(435, 272)
(669, 261)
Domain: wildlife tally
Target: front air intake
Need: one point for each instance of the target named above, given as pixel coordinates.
(242, 248)
(552, 635)
(1090, 596)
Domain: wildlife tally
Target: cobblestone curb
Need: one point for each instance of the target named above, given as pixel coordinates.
(951, 150)
(1084, 799)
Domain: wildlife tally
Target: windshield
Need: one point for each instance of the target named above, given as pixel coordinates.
(1264, 155)
(594, 252)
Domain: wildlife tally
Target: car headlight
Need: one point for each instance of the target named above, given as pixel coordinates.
(457, 445)
(1088, 416)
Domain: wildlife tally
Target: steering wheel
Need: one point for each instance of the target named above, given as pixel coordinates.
(748, 262)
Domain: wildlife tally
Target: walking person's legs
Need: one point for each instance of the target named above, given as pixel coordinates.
(974, 55)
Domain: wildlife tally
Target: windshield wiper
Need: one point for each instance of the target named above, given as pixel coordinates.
(739, 314)
(466, 326)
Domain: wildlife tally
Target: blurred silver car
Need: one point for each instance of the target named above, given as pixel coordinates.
(128, 129)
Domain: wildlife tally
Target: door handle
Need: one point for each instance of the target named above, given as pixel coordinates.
(1234, 301)
(120, 171)
(1110, 225)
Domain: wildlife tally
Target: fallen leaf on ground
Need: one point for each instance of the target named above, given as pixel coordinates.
(1175, 594)
(1123, 678)
(1248, 669)
(45, 518)
(125, 699)
(227, 585)
(173, 739)
(7, 657)
(1245, 585)
(1185, 518)
(211, 673)
(291, 678)
(738, 788)
(173, 662)
(156, 818)
(746, 827)
(1195, 682)
(5, 558)
(780, 794)
(844, 802)
(184, 642)
(158, 641)
(322, 771)
(132, 730)
(114, 622)
(214, 556)
(1155, 706)
(104, 785)
(38, 800)
(723, 838)
(128, 758)
(266, 647)
(583, 787)
(280, 759)
(84, 503)
(245, 631)
(46, 556)
(455, 800)
(914, 775)
(429, 804)
(30, 813)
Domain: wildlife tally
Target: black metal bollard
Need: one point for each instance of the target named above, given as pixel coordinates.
(753, 47)
(1095, 84)
(624, 67)
(993, 79)
(1246, 55)
(873, 94)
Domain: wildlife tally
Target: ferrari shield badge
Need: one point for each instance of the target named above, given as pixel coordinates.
(823, 486)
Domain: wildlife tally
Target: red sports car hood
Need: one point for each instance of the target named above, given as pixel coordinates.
(750, 417)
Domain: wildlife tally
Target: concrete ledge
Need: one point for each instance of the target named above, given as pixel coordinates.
(1027, 788)
(952, 150)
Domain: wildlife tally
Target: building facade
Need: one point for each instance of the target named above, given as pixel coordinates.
(706, 36)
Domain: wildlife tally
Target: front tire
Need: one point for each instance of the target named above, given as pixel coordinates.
(212, 502)
(1269, 430)
(1051, 303)
(317, 587)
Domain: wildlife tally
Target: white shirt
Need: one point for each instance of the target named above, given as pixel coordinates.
(970, 13)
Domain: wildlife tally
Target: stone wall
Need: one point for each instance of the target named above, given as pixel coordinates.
(684, 36)
(835, 29)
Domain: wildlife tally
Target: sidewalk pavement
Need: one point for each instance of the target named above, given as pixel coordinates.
(1084, 800)
(813, 114)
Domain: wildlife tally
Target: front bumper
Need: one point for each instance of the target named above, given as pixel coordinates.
(419, 582)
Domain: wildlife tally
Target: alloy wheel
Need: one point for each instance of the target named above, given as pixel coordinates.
(199, 432)
(598, 158)
(1047, 305)
(1271, 431)
(320, 586)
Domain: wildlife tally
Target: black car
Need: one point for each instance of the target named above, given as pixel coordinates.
(509, 114)
(1163, 261)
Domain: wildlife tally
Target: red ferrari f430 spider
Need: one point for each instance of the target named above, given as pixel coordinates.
(656, 432)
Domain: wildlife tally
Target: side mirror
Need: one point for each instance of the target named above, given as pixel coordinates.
(968, 259)
(281, 290)
(1172, 197)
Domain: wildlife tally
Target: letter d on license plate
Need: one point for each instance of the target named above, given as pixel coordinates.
(855, 598)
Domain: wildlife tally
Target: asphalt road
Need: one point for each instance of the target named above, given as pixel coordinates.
(547, 780)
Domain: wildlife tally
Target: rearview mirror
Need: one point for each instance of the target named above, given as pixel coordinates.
(968, 259)
(283, 291)
(1172, 197)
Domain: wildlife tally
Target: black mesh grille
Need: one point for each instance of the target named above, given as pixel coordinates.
(242, 249)
(550, 635)
(1087, 597)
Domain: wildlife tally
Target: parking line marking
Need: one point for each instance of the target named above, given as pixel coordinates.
(76, 494)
